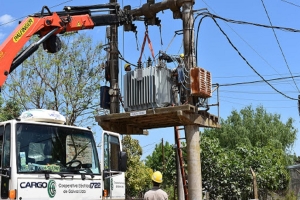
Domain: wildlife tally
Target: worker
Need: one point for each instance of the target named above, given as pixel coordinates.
(182, 56)
(127, 67)
(156, 193)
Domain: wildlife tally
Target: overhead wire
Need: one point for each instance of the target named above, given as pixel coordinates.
(241, 101)
(26, 15)
(243, 76)
(264, 106)
(242, 39)
(288, 29)
(290, 3)
(171, 42)
(212, 16)
(255, 92)
(285, 60)
(257, 81)
(221, 96)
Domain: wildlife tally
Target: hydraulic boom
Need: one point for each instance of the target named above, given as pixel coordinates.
(47, 25)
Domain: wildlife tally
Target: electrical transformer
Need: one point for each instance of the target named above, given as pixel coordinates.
(146, 88)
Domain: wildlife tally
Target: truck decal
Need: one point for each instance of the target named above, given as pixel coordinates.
(23, 29)
(51, 188)
(33, 184)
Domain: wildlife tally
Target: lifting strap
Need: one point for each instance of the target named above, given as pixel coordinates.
(143, 46)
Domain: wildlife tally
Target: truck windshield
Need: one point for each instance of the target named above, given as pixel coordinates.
(55, 149)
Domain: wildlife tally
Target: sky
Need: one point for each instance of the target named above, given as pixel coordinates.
(271, 53)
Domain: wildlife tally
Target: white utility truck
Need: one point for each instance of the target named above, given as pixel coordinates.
(41, 158)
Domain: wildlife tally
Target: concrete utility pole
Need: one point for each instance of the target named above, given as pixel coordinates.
(114, 67)
(191, 131)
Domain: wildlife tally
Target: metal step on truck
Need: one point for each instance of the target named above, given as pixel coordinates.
(42, 158)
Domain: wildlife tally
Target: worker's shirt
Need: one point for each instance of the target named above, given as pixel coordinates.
(156, 194)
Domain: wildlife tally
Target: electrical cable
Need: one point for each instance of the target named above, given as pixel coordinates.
(248, 105)
(26, 16)
(258, 81)
(221, 96)
(285, 60)
(122, 58)
(212, 16)
(240, 54)
(254, 92)
(244, 42)
(198, 29)
(250, 23)
(290, 3)
(237, 76)
(171, 42)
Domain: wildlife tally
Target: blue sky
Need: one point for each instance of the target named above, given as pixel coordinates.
(257, 44)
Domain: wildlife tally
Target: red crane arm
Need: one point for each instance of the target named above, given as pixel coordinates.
(47, 24)
(37, 25)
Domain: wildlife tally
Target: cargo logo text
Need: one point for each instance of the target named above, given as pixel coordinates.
(33, 185)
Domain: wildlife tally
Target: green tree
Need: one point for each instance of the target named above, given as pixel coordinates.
(254, 127)
(226, 173)
(67, 81)
(137, 176)
(249, 138)
(9, 110)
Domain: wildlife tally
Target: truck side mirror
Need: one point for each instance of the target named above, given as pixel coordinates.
(122, 161)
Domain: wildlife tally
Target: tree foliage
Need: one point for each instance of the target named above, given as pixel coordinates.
(254, 127)
(67, 81)
(137, 176)
(9, 110)
(226, 173)
(248, 139)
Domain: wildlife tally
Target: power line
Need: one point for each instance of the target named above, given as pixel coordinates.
(226, 97)
(290, 3)
(279, 44)
(249, 23)
(258, 81)
(243, 41)
(240, 54)
(255, 92)
(250, 75)
(207, 14)
(264, 106)
(26, 15)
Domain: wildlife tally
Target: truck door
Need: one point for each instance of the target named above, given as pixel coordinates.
(113, 166)
(5, 132)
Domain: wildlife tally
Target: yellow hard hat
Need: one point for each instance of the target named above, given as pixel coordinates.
(126, 65)
(157, 177)
(182, 55)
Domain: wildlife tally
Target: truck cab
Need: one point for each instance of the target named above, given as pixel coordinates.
(42, 158)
